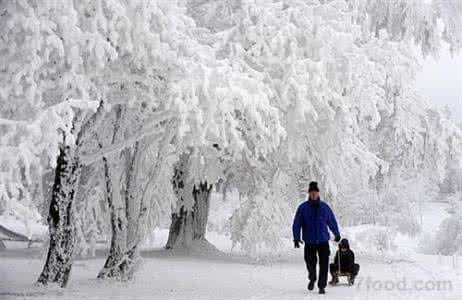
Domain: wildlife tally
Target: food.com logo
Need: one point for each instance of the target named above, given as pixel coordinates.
(403, 284)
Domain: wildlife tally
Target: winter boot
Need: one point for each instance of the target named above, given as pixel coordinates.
(334, 280)
(322, 291)
(310, 285)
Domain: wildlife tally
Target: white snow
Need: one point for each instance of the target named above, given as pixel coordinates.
(255, 97)
(164, 276)
(231, 275)
(29, 228)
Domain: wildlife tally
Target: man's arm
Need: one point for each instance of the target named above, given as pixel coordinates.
(297, 225)
(332, 223)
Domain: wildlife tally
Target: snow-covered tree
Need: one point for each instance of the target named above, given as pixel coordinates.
(48, 76)
(154, 102)
(339, 79)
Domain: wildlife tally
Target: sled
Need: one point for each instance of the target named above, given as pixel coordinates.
(339, 275)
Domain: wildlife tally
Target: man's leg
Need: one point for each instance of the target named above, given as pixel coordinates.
(310, 260)
(323, 253)
(333, 269)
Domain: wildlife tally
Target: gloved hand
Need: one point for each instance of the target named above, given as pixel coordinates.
(297, 243)
(337, 238)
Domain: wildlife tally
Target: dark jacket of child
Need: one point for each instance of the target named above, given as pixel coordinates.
(345, 258)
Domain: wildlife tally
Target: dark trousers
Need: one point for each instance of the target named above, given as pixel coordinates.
(354, 270)
(312, 252)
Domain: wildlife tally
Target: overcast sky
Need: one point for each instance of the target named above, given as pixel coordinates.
(441, 82)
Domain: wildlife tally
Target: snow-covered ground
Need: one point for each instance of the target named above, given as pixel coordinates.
(30, 229)
(163, 276)
(398, 274)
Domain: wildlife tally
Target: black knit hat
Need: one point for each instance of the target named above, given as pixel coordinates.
(344, 244)
(313, 187)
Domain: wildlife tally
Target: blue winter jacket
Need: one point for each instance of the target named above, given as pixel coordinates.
(313, 218)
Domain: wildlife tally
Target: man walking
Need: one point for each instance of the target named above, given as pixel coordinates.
(313, 217)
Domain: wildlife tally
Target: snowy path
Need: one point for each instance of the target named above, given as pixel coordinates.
(166, 277)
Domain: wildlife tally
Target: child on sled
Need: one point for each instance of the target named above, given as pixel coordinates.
(344, 264)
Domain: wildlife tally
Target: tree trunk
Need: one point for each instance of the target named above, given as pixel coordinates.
(61, 220)
(61, 226)
(188, 225)
(180, 234)
(133, 212)
(123, 254)
(200, 213)
(131, 200)
(112, 267)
